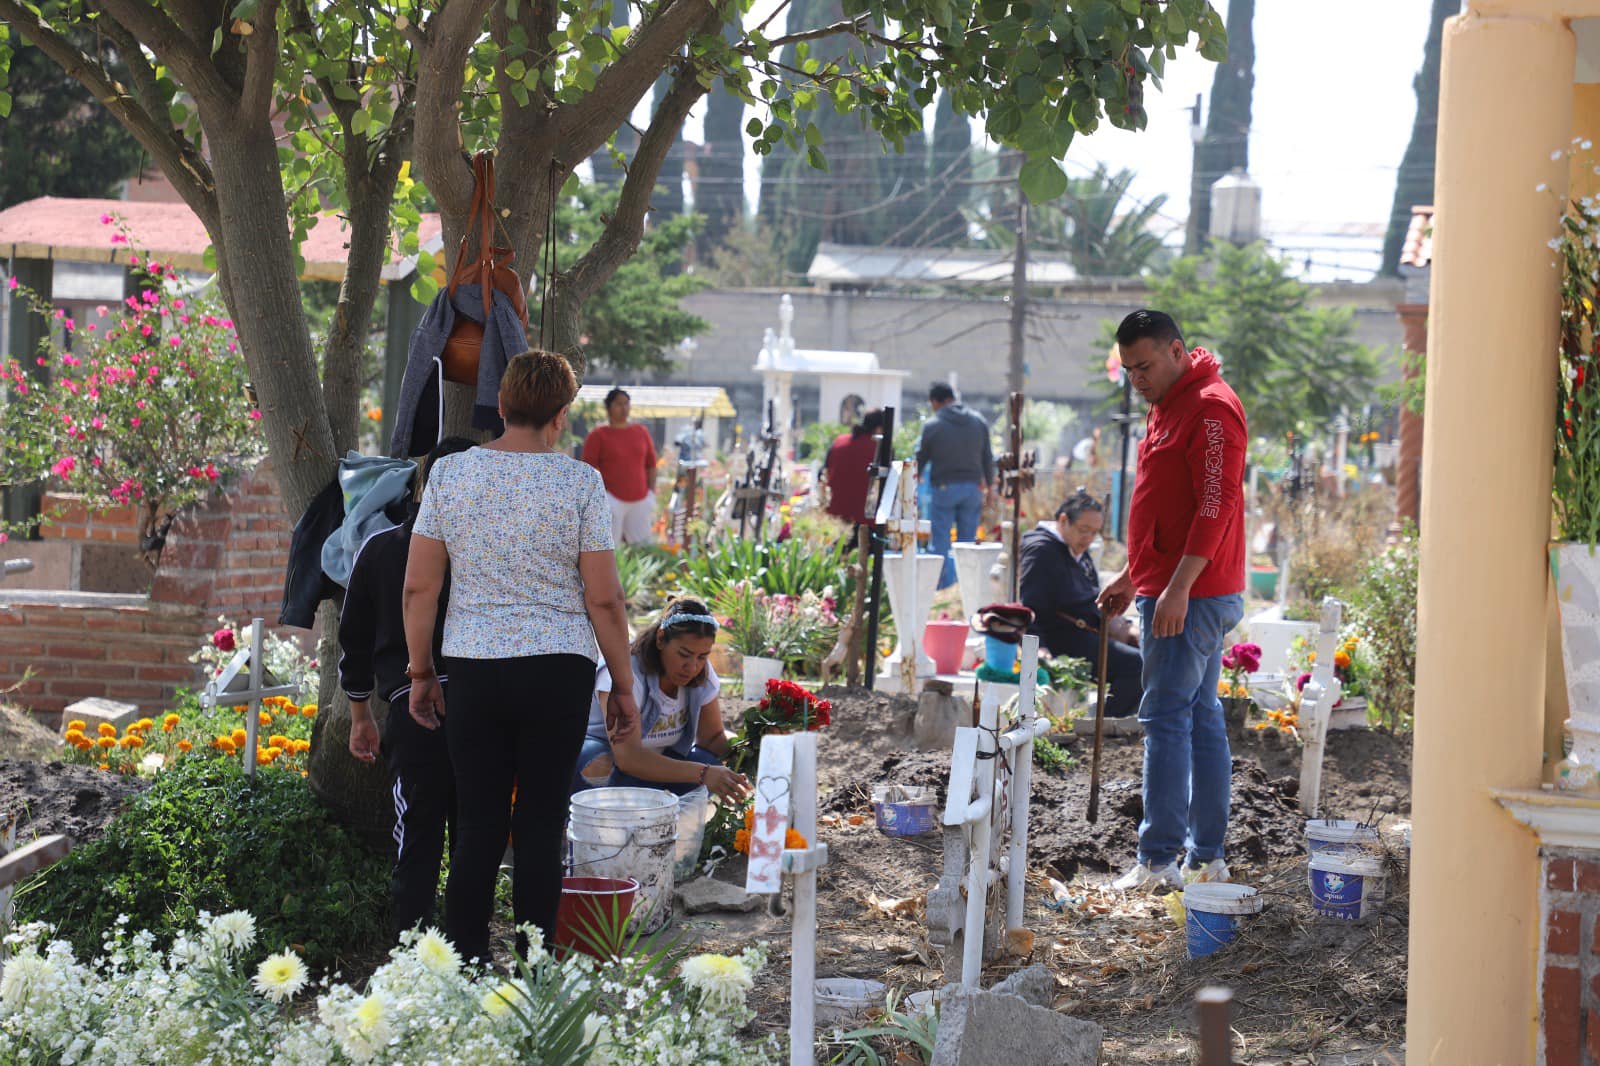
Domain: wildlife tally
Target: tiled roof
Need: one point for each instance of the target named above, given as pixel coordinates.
(54, 227)
(1418, 249)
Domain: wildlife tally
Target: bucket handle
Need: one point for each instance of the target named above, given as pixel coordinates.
(571, 862)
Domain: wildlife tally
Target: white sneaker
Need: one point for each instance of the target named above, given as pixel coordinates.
(1214, 871)
(1144, 878)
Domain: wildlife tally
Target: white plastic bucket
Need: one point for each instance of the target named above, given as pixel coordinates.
(1330, 837)
(694, 807)
(628, 832)
(1213, 912)
(1346, 888)
(841, 1000)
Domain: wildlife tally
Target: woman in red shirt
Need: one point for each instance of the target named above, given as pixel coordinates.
(626, 457)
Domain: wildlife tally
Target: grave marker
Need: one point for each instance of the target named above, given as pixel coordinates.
(252, 696)
(18, 863)
(1316, 706)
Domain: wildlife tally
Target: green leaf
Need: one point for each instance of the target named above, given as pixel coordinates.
(753, 127)
(1042, 180)
(516, 70)
(360, 121)
(817, 160)
(209, 258)
(216, 41)
(246, 9)
(1177, 27)
(5, 103)
(813, 135)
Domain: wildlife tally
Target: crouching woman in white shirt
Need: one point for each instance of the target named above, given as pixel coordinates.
(678, 741)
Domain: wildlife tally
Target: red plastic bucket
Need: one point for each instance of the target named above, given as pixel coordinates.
(946, 642)
(592, 915)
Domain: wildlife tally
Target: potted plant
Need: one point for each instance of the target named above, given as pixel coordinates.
(1574, 564)
(1240, 661)
(772, 631)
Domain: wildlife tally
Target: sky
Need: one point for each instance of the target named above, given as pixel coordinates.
(1331, 116)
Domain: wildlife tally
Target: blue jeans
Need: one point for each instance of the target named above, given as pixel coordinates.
(1188, 769)
(959, 504)
(593, 748)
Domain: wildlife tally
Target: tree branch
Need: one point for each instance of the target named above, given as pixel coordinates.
(140, 72)
(586, 125)
(623, 233)
(451, 32)
(193, 67)
(261, 63)
(185, 168)
(852, 26)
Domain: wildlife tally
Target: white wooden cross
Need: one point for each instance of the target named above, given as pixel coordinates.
(912, 578)
(991, 777)
(251, 696)
(17, 863)
(1316, 706)
(786, 794)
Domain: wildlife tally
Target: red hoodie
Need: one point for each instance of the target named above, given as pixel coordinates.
(1188, 497)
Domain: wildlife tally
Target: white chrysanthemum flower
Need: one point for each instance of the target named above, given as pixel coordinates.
(436, 954)
(21, 976)
(234, 931)
(719, 978)
(280, 976)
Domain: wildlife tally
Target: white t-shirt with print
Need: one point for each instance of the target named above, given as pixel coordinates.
(674, 709)
(514, 524)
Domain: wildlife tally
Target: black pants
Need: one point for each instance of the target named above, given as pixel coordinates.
(1124, 666)
(512, 723)
(424, 788)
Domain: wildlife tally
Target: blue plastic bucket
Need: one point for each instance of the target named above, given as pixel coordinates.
(999, 655)
(1213, 913)
(903, 811)
(1347, 888)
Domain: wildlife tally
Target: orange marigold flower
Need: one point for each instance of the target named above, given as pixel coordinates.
(169, 723)
(741, 841)
(74, 735)
(143, 724)
(226, 745)
(127, 741)
(106, 729)
(794, 841)
(240, 708)
(105, 766)
(265, 718)
(108, 742)
(76, 723)
(185, 746)
(1341, 658)
(309, 710)
(291, 710)
(239, 736)
(278, 740)
(750, 818)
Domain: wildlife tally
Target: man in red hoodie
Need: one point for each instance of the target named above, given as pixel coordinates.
(1186, 572)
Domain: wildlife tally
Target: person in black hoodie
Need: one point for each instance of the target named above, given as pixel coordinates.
(1060, 583)
(372, 663)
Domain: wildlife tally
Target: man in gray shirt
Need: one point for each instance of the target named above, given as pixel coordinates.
(954, 451)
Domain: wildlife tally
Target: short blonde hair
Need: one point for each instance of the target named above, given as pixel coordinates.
(535, 388)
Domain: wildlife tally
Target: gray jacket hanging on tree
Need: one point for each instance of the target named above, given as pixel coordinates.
(419, 421)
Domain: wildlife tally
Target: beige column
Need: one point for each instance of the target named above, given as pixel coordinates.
(1505, 107)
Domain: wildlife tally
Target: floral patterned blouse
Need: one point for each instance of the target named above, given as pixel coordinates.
(514, 524)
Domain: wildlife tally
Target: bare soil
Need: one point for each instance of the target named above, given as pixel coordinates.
(1306, 991)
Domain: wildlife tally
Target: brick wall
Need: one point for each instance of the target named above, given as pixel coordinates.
(68, 519)
(1569, 993)
(225, 558)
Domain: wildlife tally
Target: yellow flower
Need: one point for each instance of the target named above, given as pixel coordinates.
(1341, 658)
(75, 735)
(273, 751)
(76, 723)
(309, 710)
(291, 709)
(108, 742)
(263, 756)
(185, 746)
(169, 723)
(265, 718)
(497, 1002)
(280, 976)
(278, 740)
(302, 746)
(143, 724)
(134, 741)
(1313, 657)
(239, 736)
(226, 745)
(106, 729)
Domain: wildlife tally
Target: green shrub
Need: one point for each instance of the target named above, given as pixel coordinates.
(205, 838)
(791, 568)
(1386, 612)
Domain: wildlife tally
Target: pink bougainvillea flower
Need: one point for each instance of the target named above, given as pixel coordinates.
(133, 260)
(255, 416)
(102, 311)
(119, 238)
(11, 283)
(64, 466)
(134, 422)
(97, 422)
(211, 472)
(105, 220)
(174, 341)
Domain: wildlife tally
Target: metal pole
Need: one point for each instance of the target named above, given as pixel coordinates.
(1022, 783)
(880, 472)
(1019, 298)
(1213, 1005)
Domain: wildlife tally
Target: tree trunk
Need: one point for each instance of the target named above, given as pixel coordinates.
(356, 792)
(1413, 186)
(1227, 140)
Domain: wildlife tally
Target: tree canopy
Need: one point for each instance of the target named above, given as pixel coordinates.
(1294, 365)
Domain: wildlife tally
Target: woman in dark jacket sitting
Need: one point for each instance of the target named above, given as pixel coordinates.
(678, 740)
(1059, 583)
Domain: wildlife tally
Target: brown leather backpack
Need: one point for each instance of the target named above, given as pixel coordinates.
(491, 270)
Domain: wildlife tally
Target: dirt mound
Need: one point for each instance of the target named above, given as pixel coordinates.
(57, 797)
(22, 736)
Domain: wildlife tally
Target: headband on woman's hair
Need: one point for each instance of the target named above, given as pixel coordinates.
(673, 619)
